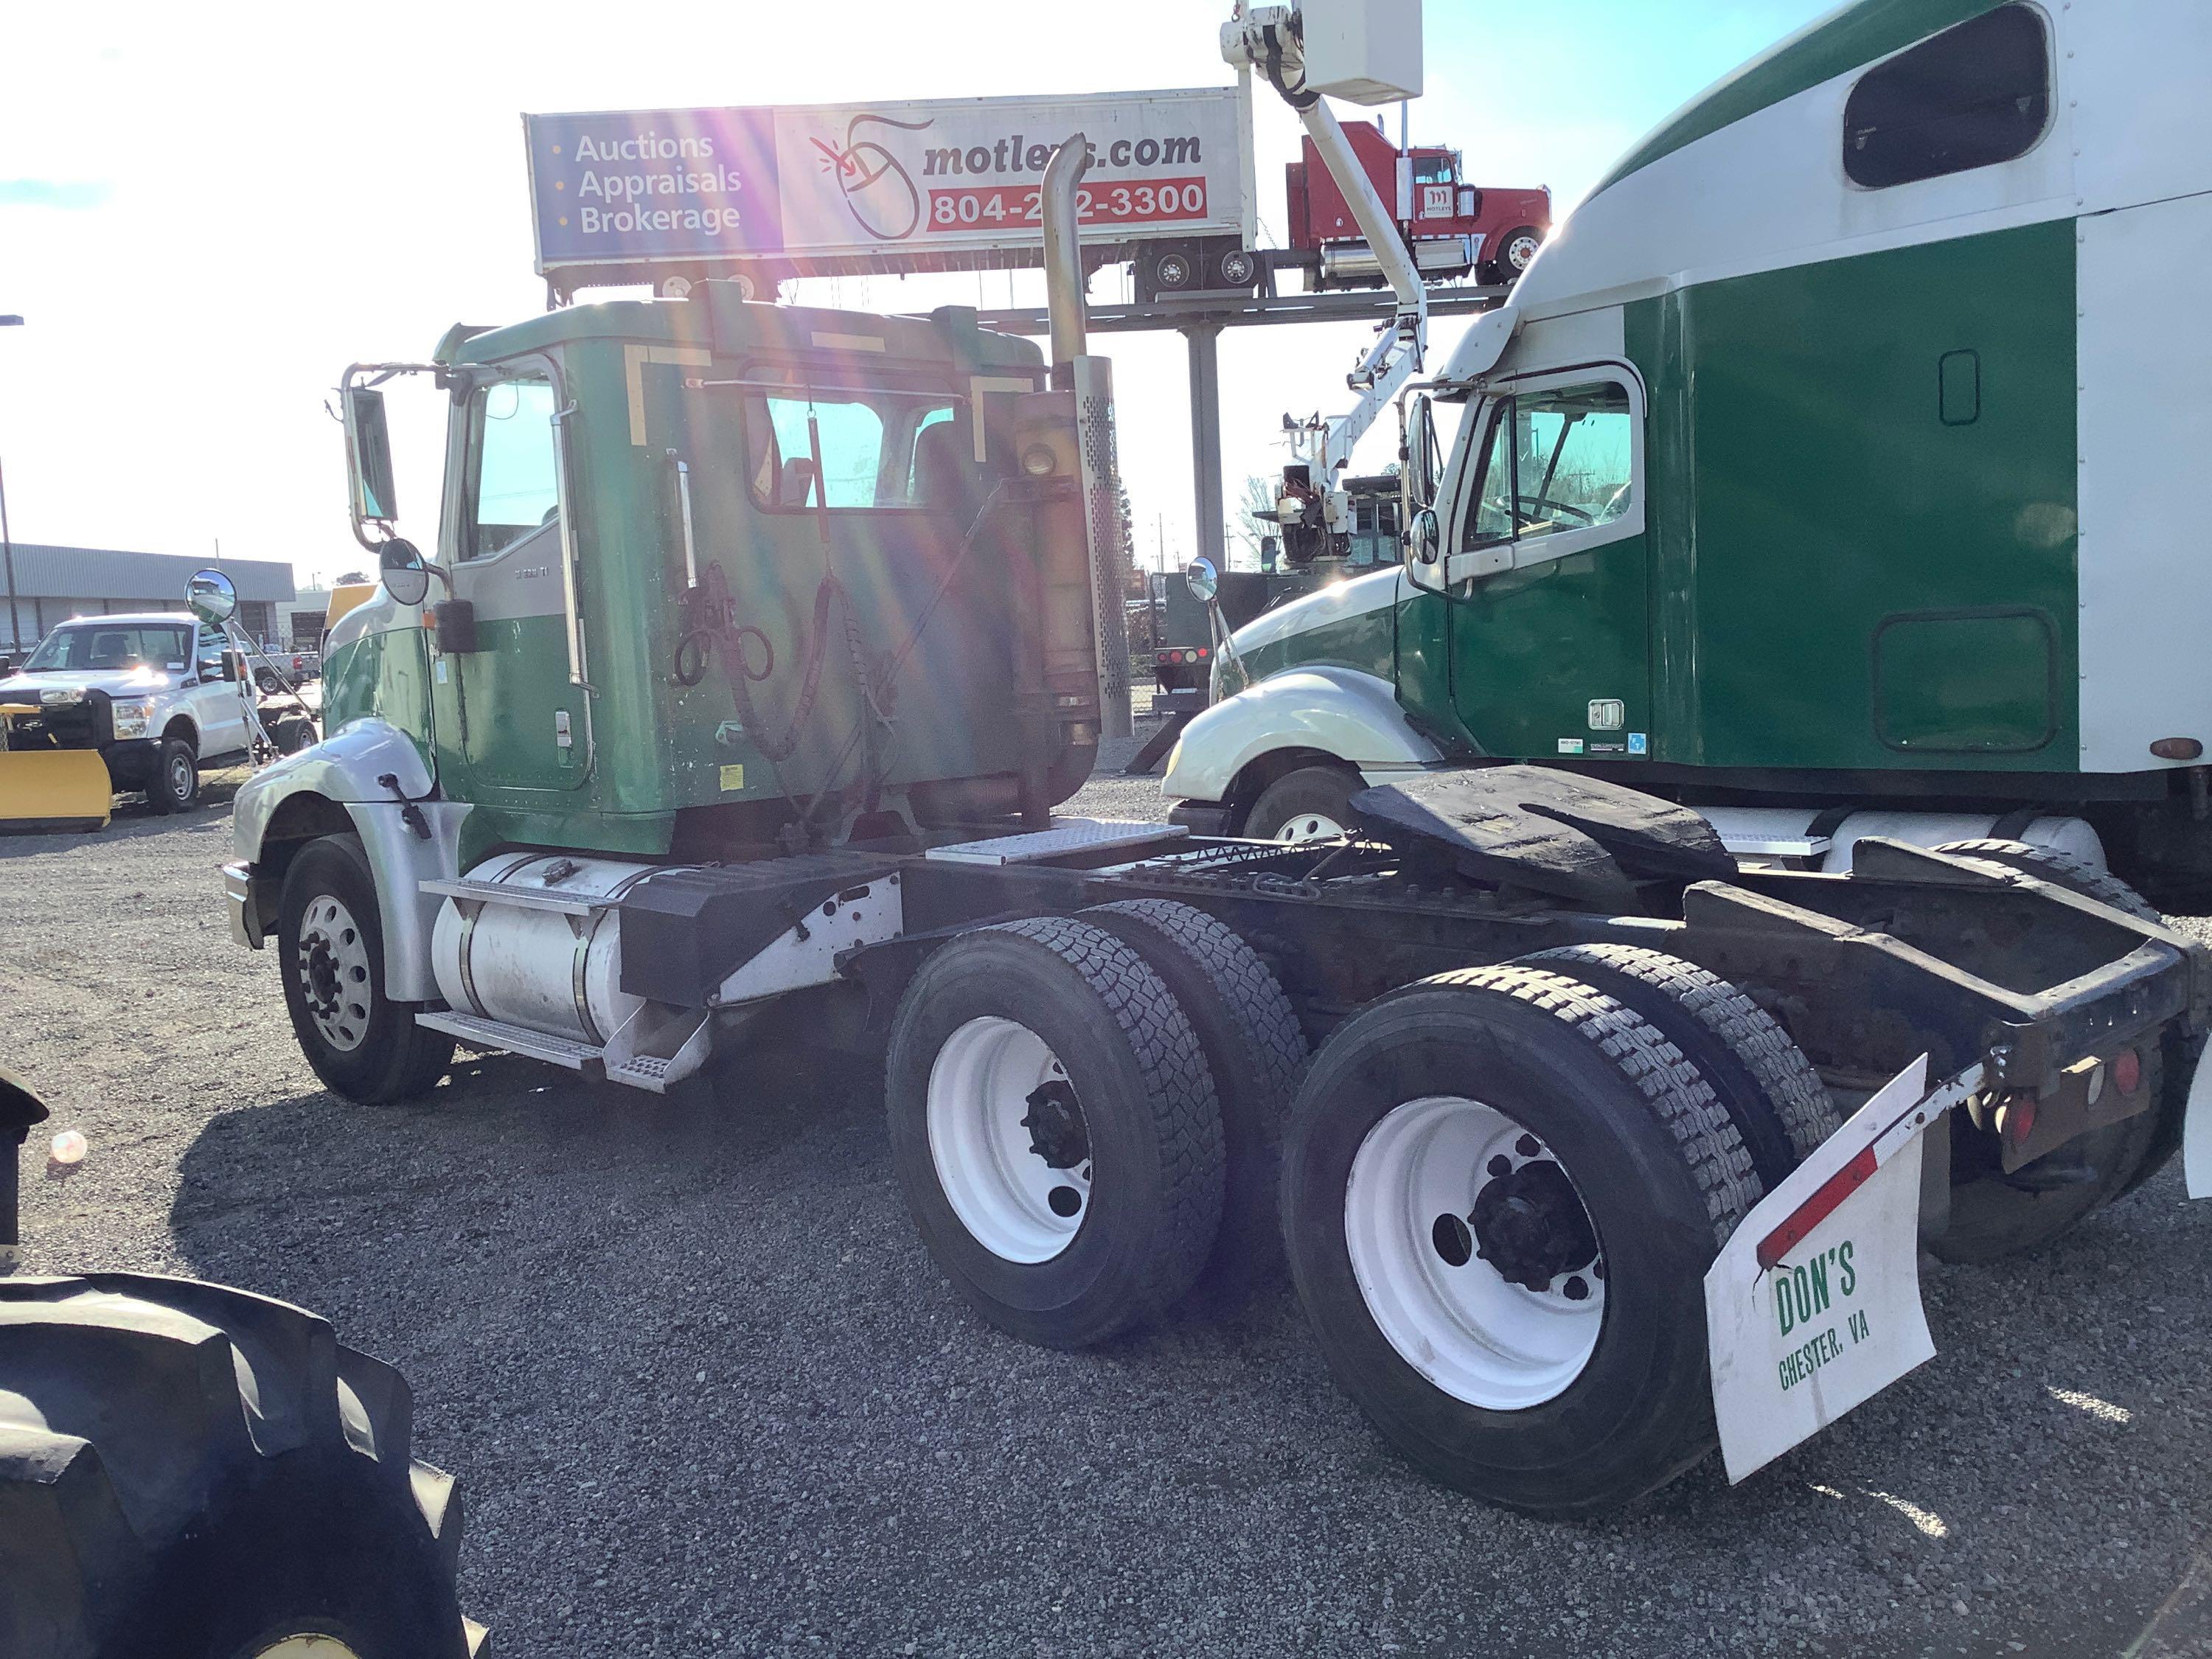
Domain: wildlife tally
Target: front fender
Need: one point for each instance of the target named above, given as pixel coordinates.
(1340, 712)
(343, 769)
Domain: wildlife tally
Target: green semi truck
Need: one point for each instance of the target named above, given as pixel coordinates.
(760, 644)
(1825, 472)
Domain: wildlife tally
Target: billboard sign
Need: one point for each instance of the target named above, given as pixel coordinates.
(900, 186)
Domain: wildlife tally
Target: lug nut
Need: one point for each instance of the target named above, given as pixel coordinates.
(1527, 1146)
(1500, 1165)
(1576, 1289)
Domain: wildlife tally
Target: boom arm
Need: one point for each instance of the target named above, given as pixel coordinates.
(1268, 38)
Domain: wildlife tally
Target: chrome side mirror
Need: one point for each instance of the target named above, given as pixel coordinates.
(405, 576)
(211, 596)
(1426, 539)
(1419, 455)
(1203, 581)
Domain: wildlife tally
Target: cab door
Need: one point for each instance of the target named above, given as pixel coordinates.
(1548, 584)
(509, 712)
(218, 705)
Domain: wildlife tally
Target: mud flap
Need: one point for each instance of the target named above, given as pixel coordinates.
(2197, 1134)
(1814, 1306)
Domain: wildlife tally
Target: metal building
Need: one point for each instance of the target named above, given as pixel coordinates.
(52, 584)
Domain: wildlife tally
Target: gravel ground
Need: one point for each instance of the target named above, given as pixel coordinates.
(707, 1395)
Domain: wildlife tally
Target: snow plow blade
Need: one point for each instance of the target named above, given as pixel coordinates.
(46, 790)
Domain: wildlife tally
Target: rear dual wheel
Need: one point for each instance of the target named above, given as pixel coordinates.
(1502, 1189)
(1085, 1113)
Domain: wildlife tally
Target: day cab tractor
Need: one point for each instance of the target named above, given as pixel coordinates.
(1811, 476)
(759, 645)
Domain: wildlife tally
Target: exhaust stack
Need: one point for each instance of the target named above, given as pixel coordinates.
(1063, 257)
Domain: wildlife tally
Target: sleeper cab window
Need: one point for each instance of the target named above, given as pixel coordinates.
(1973, 96)
(1556, 460)
(875, 447)
(514, 481)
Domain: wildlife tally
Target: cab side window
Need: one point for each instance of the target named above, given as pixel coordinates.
(514, 488)
(877, 448)
(1557, 460)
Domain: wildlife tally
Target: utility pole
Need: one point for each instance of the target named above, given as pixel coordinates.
(8, 559)
(7, 541)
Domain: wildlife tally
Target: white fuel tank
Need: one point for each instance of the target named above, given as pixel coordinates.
(1785, 832)
(543, 970)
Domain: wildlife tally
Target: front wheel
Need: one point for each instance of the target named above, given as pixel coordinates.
(1311, 803)
(176, 782)
(329, 951)
(1501, 1191)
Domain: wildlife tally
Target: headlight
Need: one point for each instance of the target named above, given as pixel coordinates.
(131, 719)
(58, 698)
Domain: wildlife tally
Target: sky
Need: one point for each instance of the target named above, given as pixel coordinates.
(207, 212)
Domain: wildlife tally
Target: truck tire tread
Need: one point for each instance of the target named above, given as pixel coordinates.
(1255, 1053)
(1775, 1099)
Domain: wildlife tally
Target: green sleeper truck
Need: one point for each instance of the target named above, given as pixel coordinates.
(1825, 471)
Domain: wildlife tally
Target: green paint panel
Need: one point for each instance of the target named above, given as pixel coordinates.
(1806, 487)
(386, 675)
(1952, 683)
(1531, 650)
(1845, 40)
(1365, 641)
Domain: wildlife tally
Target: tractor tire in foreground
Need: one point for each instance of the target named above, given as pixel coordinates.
(1501, 1191)
(1768, 1088)
(1255, 1053)
(195, 1473)
(330, 956)
(1054, 1127)
(1995, 1215)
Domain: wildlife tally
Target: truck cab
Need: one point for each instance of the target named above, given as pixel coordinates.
(1453, 228)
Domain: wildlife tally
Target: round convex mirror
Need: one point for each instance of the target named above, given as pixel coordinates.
(406, 577)
(1200, 578)
(210, 597)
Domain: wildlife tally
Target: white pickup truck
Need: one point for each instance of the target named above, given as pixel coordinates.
(158, 695)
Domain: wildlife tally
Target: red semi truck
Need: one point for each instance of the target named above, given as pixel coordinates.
(1452, 227)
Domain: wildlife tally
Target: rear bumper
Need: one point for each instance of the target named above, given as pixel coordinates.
(238, 898)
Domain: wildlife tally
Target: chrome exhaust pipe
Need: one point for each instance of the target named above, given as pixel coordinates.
(1063, 255)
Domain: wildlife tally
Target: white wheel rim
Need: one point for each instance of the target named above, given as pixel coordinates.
(1311, 826)
(331, 962)
(1522, 252)
(1485, 1341)
(1009, 1195)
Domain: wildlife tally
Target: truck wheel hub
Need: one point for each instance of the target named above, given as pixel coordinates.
(1530, 1226)
(1008, 1139)
(333, 970)
(1458, 1223)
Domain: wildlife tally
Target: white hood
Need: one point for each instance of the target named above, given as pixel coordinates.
(126, 683)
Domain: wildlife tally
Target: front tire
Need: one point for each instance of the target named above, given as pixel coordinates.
(330, 951)
(175, 787)
(1311, 803)
(1054, 1126)
(1511, 1286)
(190, 1470)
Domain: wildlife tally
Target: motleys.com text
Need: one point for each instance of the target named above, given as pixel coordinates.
(1017, 154)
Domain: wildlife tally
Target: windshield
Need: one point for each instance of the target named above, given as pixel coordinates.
(90, 647)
